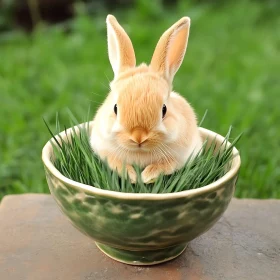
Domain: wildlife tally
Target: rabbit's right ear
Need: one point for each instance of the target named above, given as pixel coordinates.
(120, 49)
(171, 48)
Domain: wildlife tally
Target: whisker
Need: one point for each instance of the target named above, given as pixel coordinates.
(171, 155)
(165, 156)
(97, 94)
(106, 86)
(170, 149)
(106, 77)
(93, 101)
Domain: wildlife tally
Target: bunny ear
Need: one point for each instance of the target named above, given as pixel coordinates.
(171, 48)
(120, 49)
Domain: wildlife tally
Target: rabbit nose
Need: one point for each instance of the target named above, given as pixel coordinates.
(138, 136)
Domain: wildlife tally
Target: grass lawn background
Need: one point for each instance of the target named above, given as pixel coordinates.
(231, 68)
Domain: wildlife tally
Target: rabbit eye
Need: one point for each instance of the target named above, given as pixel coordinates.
(116, 109)
(164, 110)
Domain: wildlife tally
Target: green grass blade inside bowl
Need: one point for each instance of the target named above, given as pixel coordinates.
(74, 158)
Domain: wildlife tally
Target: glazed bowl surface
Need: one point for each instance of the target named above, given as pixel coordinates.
(141, 229)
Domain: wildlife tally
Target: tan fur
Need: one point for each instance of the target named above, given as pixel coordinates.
(138, 134)
(141, 107)
(171, 48)
(118, 37)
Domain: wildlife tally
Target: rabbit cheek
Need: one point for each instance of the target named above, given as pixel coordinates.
(172, 130)
(161, 128)
(117, 127)
(122, 139)
(172, 135)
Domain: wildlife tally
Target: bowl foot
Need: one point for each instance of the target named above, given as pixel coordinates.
(142, 257)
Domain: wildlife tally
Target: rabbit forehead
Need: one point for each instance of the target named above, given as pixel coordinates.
(140, 99)
(140, 85)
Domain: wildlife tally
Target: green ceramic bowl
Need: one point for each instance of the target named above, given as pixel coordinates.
(141, 229)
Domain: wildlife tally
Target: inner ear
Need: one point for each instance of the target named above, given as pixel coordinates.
(170, 49)
(175, 54)
(113, 50)
(120, 49)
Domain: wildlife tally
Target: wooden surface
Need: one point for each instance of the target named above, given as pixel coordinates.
(38, 243)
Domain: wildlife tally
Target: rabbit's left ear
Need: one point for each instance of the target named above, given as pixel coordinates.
(120, 49)
(171, 48)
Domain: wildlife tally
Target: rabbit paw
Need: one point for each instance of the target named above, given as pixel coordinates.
(150, 173)
(118, 166)
(131, 174)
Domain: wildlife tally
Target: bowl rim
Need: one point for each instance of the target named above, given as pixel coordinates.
(47, 150)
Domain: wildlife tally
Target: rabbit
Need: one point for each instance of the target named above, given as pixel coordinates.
(143, 121)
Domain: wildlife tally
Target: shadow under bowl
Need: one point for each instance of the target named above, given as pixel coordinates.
(142, 229)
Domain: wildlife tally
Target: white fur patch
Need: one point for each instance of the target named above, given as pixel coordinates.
(173, 94)
(117, 127)
(160, 127)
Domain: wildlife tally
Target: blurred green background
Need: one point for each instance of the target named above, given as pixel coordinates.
(231, 68)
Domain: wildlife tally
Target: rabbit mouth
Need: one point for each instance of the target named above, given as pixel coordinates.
(139, 148)
(133, 147)
(138, 145)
